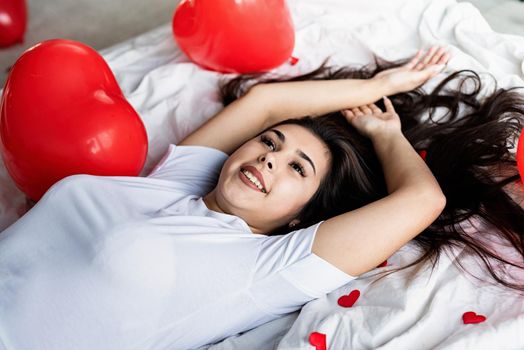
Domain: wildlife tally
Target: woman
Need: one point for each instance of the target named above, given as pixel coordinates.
(192, 253)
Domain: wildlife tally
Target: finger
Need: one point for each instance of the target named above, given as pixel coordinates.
(438, 55)
(414, 60)
(424, 60)
(444, 58)
(375, 109)
(429, 55)
(361, 109)
(366, 110)
(347, 113)
(389, 105)
(356, 111)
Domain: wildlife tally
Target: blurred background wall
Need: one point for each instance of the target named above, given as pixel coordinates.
(97, 23)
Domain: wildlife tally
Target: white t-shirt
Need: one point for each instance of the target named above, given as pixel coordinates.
(114, 262)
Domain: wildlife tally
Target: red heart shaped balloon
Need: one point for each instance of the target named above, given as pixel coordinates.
(235, 36)
(13, 22)
(63, 113)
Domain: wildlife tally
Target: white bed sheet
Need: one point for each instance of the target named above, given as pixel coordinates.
(174, 97)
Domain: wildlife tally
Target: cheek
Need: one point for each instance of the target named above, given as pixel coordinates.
(229, 170)
(292, 192)
(234, 162)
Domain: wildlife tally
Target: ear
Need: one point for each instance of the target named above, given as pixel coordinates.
(294, 222)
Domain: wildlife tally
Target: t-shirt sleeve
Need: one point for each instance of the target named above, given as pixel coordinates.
(195, 169)
(289, 260)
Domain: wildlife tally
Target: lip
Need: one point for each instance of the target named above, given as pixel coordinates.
(257, 174)
(248, 182)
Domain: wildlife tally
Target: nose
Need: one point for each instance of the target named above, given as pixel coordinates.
(269, 164)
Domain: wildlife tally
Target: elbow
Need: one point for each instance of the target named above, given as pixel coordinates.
(440, 199)
(431, 205)
(437, 202)
(443, 201)
(432, 198)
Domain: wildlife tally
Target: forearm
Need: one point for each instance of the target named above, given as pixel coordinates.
(402, 166)
(285, 100)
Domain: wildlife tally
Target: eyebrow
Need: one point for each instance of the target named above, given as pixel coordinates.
(282, 139)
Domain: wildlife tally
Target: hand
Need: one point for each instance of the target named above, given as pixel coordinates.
(369, 120)
(421, 68)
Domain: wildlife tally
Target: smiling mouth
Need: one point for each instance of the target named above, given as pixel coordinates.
(251, 180)
(248, 182)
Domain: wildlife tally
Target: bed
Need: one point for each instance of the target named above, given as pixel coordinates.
(411, 309)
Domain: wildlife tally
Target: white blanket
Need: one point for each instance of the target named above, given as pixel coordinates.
(174, 97)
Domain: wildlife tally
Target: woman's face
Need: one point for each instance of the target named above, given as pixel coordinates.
(289, 178)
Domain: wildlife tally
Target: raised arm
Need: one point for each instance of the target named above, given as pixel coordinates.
(358, 241)
(266, 104)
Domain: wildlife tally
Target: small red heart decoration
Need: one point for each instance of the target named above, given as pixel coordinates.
(471, 317)
(318, 340)
(293, 60)
(349, 300)
(423, 154)
(384, 263)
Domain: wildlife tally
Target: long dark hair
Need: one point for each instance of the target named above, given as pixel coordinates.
(468, 149)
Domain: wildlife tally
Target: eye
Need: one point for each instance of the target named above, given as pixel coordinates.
(300, 169)
(267, 141)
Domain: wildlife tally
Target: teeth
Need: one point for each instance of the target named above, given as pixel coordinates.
(253, 179)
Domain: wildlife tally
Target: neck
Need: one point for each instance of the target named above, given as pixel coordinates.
(211, 204)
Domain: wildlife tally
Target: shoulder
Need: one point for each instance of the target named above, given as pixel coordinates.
(196, 168)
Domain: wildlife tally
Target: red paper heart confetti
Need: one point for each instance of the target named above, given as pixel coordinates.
(293, 60)
(423, 154)
(384, 263)
(349, 300)
(471, 317)
(318, 340)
